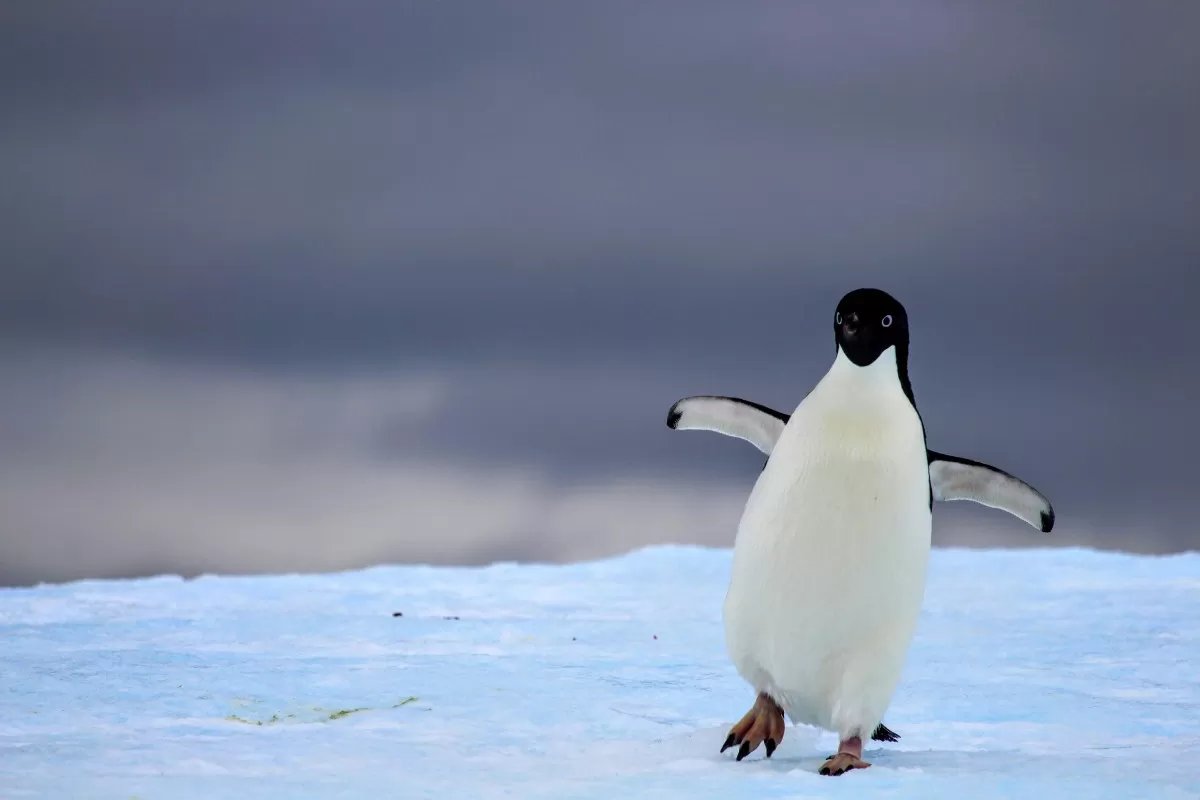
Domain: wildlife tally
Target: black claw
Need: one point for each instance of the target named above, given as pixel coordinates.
(770, 743)
(743, 751)
(730, 742)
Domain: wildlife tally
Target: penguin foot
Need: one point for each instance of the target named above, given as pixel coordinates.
(848, 757)
(763, 724)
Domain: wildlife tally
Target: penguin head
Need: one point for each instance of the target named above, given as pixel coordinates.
(867, 322)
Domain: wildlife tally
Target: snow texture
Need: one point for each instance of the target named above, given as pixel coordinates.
(1056, 673)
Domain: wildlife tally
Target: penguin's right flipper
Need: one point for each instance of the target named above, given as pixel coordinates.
(732, 416)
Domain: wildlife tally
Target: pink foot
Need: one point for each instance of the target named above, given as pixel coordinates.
(849, 756)
(763, 724)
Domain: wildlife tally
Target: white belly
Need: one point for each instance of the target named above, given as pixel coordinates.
(830, 559)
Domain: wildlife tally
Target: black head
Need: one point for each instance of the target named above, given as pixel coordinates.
(869, 321)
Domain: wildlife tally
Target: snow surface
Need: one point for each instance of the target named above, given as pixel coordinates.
(1054, 673)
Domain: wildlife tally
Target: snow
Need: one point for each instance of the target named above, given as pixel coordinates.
(1051, 673)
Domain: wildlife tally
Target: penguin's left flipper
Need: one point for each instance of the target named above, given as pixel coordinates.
(950, 477)
(954, 478)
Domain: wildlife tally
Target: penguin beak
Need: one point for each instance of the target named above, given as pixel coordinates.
(850, 327)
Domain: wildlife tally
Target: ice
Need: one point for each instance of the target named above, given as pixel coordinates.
(1051, 673)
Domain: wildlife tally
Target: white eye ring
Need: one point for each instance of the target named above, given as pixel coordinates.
(837, 318)
(887, 321)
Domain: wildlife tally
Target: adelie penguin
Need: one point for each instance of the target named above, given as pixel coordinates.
(829, 562)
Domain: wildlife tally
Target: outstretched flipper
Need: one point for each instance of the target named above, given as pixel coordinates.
(950, 477)
(732, 416)
(954, 478)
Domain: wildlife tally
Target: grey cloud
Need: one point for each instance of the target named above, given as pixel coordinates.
(344, 184)
(567, 217)
(120, 467)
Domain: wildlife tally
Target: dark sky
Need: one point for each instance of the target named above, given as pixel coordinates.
(291, 286)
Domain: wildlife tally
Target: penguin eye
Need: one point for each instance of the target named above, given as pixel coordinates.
(837, 318)
(887, 321)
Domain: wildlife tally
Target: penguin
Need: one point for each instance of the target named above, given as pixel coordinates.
(831, 552)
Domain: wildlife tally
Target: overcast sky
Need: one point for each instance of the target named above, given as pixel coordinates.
(292, 286)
